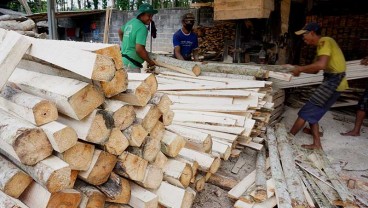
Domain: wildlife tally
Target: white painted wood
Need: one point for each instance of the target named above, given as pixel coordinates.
(141, 197)
(73, 98)
(34, 109)
(22, 140)
(12, 48)
(60, 136)
(91, 66)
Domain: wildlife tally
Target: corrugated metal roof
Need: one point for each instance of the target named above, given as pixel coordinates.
(43, 16)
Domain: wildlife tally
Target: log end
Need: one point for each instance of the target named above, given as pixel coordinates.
(65, 139)
(186, 175)
(32, 146)
(124, 193)
(138, 135)
(86, 100)
(79, 156)
(59, 180)
(117, 85)
(65, 198)
(207, 144)
(17, 184)
(101, 127)
(124, 117)
(117, 142)
(196, 70)
(104, 68)
(215, 165)
(102, 169)
(45, 112)
(113, 52)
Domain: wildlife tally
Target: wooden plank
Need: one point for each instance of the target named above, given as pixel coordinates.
(239, 164)
(211, 93)
(218, 128)
(210, 108)
(12, 48)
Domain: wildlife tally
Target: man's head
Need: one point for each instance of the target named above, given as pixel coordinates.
(145, 13)
(188, 21)
(311, 33)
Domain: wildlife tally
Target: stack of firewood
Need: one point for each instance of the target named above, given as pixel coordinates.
(78, 130)
(212, 38)
(21, 25)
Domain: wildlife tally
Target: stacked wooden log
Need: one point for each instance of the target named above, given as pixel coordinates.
(21, 25)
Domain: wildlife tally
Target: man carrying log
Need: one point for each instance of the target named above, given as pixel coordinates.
(362, 109)
(133, 37)
(331, 60)
(185, 41)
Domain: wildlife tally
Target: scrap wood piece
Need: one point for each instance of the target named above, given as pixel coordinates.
(12, 48)
(185, 67)
(92, 66)
(239, 164)
(244, 184)
(223, 181)
(283, 197)
(288, 165)
(261, 177)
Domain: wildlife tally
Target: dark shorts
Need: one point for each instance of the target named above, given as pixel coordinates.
(312, 113)
(363, 102)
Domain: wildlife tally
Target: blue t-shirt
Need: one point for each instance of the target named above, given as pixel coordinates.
(187, 43)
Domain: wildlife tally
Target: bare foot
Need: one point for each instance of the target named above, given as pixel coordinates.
(350, 133)
(311, 146)
(309, 131)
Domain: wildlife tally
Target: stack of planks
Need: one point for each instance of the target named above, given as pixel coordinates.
(305, 178)
(20, 24)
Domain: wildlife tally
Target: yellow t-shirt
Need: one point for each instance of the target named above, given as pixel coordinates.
(336, 64)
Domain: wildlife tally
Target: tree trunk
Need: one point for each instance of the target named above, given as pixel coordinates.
(60, 136)
(79, 100)
(131, 166)
(29, 107)
(171, 144)
(123, 114)
(95, 128)
(13, 181)
(185, 67)
(116, 188)
(99, 170)
(79, 157)
(22, 140)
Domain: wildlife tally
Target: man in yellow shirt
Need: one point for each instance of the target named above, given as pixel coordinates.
(331, 60)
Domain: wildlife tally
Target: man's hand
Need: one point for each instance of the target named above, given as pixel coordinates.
(296, 71)
(364, 61)
(151, 69)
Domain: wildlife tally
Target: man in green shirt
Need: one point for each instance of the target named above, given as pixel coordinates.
(133, 37)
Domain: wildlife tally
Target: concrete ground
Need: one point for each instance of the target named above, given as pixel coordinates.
(348, 156)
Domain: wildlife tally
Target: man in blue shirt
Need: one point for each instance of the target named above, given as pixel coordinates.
(185, 41)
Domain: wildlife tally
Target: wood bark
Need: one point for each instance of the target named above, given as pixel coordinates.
(8, 201)
(65, 198)
(194, 139)
(261, 177)
(171, 144)
(135, 134)
(60, 136)
(77, 102)
(91, 196)
(13, 181)
(29, 107)
(116, 188)
(123, 113)
(94, 128)
(142, 198)
(185, 67)
(147, 116)
(100, 168)
(288, 165)
(243, 69)
(206, 162)
(162, 101)
(12, 48)
(283, 197)
(177, 173)
(22, 140)
(15, 25)
(51, 173)
(79, 157)
(117, 142)
(131, 166)
(92, 66)
(138, 93)
(153, 177)
(148, 150)
(117, 85)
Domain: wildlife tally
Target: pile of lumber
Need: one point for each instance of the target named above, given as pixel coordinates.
(84, 132)
(213, 38)
(20, 24)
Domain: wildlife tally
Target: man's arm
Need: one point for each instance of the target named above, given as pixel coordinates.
(141, 51)
(177, 53)
(121, 33)
(313, 68)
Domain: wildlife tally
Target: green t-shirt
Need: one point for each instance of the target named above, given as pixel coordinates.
(336, 64)
(135, 32)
